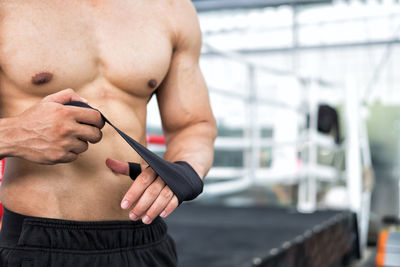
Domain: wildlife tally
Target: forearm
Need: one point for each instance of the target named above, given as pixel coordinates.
(193, 144)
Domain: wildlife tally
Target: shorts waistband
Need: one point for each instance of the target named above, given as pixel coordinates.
(19, 230)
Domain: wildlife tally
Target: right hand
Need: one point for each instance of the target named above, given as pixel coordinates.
(51, 133)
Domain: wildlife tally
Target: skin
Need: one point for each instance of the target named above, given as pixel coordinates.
(62, 162)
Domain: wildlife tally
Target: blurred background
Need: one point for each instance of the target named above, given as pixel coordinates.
(307, 102)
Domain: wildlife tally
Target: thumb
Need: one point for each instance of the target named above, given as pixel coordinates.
(118, 166)
(64, 96)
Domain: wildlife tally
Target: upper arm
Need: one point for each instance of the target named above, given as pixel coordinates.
(183, 96)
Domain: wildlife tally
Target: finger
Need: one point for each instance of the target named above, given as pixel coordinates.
(79, 146)
(159, 205)
(69, 157)
(88, 133)
(147, 199)
(144, 180)
(118, 166)
(64, 96)
(132, 169)
(87, 116)
(172, 205)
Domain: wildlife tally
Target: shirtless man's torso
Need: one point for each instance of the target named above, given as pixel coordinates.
(115, 54)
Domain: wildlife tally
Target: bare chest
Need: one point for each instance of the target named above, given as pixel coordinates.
(47, 46)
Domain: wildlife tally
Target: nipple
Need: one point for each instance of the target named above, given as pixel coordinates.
(152, 83)
(42, 78)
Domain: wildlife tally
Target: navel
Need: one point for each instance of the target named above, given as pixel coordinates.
(152, 83)
(42, 78)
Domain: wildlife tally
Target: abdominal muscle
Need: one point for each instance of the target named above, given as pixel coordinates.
(86, 189)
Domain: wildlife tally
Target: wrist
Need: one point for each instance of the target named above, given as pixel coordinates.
(7, 147)
(195, 168)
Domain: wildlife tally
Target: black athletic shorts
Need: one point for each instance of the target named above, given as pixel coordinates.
(27, 241)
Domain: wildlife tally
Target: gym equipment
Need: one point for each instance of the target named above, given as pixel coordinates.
(388, 247)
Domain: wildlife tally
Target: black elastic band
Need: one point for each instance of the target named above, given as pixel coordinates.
(181, 178)
(134, 170)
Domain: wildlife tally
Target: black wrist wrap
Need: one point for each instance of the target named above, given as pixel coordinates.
(180, 177)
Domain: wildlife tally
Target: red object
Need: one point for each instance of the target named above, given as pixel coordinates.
(2, 164)
(155, 139)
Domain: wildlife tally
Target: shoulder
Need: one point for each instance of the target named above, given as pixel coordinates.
(180, 9)
(184, 23)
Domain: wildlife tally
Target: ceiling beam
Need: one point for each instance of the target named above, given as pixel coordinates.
(362, 44)
(209, 5)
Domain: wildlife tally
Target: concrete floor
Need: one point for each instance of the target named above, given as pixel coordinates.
(368, 259)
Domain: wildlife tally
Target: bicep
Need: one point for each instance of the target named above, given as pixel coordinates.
(183, 98)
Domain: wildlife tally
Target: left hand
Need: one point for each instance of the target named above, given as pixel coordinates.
(149, 195)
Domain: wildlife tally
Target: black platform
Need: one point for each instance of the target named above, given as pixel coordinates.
(215, 236)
